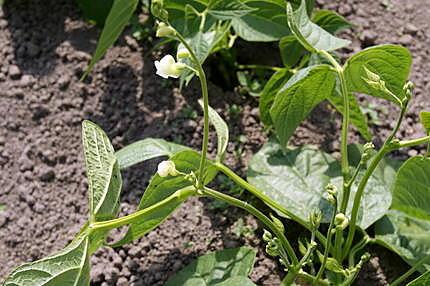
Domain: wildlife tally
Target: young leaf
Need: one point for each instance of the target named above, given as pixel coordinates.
(330, 21)
(146, 149)
(355, 114)
(411, 193)
(104, 178)
(265, 23)
(291, 50)
(69, 267)
(118, 17)
(267, 97)
(423, 280)
(390, 62)
(228, 9)
(159, 189)
(296, 179)
(425, 120)
(221, 129)
(406, 235)
(224, 267)
(310, 35)
(298, 97)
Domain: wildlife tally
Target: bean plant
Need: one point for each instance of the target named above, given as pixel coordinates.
(345, 205)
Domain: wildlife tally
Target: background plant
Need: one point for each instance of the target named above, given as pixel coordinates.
(321, 181)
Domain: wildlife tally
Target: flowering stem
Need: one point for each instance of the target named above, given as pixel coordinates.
(205, 94)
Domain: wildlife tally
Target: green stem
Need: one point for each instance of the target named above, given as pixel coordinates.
(261, 67)
(359, 246)
(327, 248)
(413, 142)
(363, 183)
(312, 279)
(410, 271)
(205, 95)
(338, 244)
(178, 196)
(259, 215)
(268, 201)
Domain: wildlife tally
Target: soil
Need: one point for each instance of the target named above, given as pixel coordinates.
(44, 48)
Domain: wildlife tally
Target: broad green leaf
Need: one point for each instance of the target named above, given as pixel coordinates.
(298, 97)
(291, 50)
(411, 193)
(217, 268)
(160, 188)
(104, 178)
(221, 129)
(355, 114)
(228, 9)
(310, 35)
(406, 235)
(296, 179)
(330, 21)
(423, 280)
(118, 17)
(69, 267)
(267, 22)
(146, 149)
(425, 120)
(390, 62)
(96, 10)
(237, 280)
(267, 97)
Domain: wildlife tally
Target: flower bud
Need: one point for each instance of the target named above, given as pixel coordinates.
(168, 67)
(267, 236)
(315, 218)
(408, 88)
(167, 168)
(331, 189)
(182, 53)
(157, 9)
(341, 220)
(164, 30)
(367, 152)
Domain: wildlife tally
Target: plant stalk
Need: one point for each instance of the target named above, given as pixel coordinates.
(410, 271)
(259, 215)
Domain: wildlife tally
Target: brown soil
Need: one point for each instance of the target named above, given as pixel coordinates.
(44, 48)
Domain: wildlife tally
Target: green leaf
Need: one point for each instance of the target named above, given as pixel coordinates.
(146, 149)
(411, 193)
(118, 17)
(69, 267)
(298, 97)
(330, 21)
(310, 35)
(425, 120)
(267, 97)
(390, 62)
(355, 114)
(405, 235)
(96, 10)
(291, 50)
(104, 178)
(159, 189)
(266, 23)
(218, 268)
(296, 179)
(221, 129)
(228, 9)
(423, 280)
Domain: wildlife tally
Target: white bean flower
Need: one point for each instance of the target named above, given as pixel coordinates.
(168, 67)
(182, 52)
(167, 168)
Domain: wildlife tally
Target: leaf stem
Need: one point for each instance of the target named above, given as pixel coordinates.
(327, 248)
(413, 142)
(386, 148)
(179, 196)
(410, 271)
(205, 95)
(310, 278)
(261, 67)
(259, 215)
(268, 201)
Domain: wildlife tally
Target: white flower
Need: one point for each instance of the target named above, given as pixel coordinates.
(167, 66)
(167, 168)
(163, 30)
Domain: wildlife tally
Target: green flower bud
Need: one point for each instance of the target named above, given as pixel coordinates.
(315, 218)
(164, 30)
(341, 221)
(331, 189)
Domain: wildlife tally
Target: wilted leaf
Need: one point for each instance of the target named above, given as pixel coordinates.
(221, 268)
